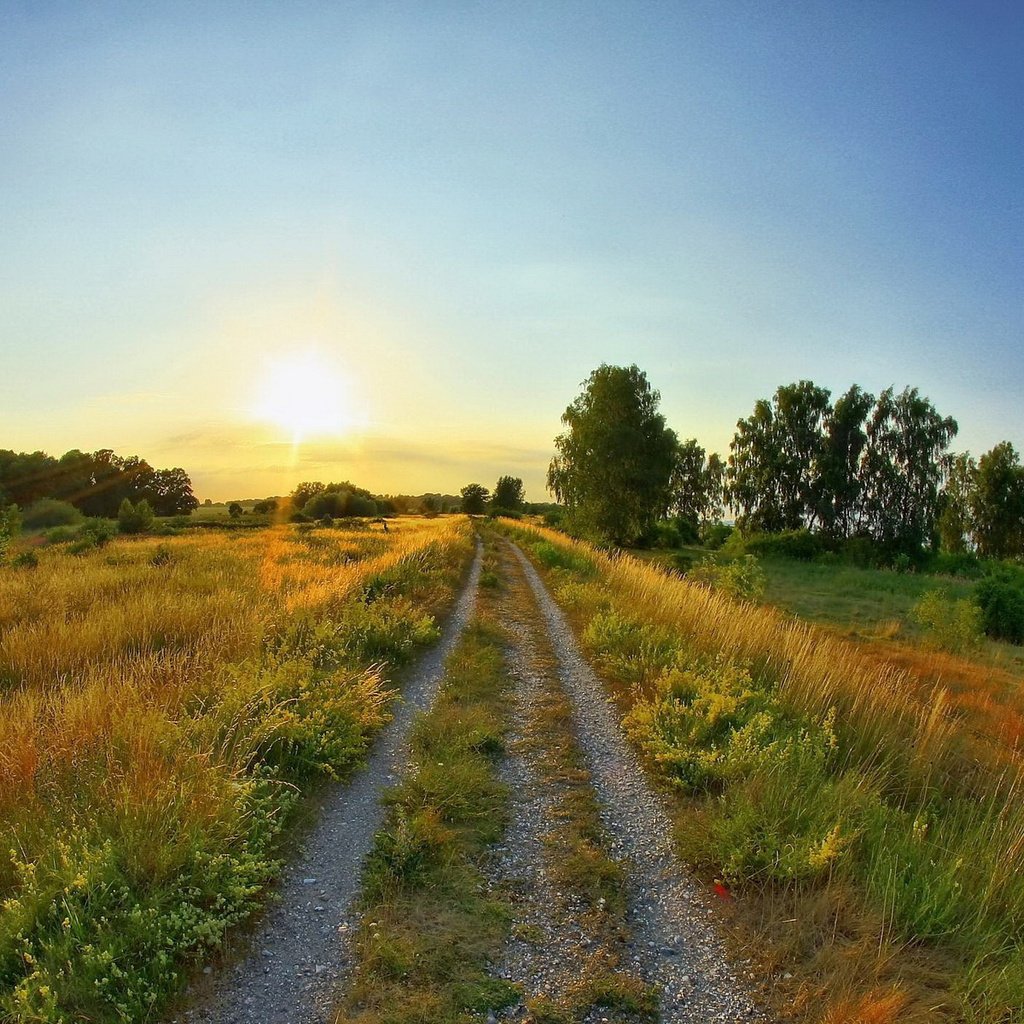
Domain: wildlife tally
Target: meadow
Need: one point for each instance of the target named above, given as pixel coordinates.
(866, 817)
(165, 704)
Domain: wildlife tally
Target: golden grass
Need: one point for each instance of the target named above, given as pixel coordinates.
(92, 647)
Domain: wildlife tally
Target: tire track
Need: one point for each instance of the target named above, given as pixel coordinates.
(302, 946)
(675, 944)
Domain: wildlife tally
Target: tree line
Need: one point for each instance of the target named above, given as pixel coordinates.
(95, 483)
(861, 466)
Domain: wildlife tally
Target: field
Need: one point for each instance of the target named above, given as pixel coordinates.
(164, 704)
(865, 816)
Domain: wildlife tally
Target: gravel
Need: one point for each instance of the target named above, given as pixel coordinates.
(551, 931)
(674, 940)
(291, 968)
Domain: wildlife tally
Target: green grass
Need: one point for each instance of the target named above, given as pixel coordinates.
(430, 926)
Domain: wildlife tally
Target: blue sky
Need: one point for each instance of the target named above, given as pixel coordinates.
(462, 209)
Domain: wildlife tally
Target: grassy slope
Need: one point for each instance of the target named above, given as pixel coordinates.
(882, 889)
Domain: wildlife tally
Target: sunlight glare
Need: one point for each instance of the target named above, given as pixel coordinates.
(307, 396)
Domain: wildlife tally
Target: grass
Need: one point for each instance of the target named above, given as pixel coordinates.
(852, 793)
(163, 704)
(430, 926)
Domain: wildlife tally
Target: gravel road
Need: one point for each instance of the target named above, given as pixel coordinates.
(675, 943)
(301, 947)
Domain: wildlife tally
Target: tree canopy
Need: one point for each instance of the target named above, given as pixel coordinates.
(509, 494)
(95, 483)
(613, 465)
(474, 499)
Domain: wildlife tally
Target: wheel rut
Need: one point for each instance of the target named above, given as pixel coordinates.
(567, 937)
(672, 942)
(301, 948)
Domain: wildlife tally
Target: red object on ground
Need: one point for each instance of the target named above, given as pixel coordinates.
(722, 891)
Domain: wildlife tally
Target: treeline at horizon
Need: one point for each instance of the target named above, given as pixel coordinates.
(95, 483)
(876, 470)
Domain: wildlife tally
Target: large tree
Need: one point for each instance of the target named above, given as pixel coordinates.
(998, 503)
(613, 464)
(837, 484)
(901, 469)
(696, 485)
(474, 499)
(509, 494)
(774, 457)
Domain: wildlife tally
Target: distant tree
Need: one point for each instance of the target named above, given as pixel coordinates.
(265, 507)
(301, 495)
(208, 502)
(696, 486)
(171, 493)
(753, 473)
(901, 470)
(235, 510)
(613, 465)
(474, 499)
(957, 502)
(998, 503)
(774, 459)
(134, 518)
(509, 494)
(837, 479)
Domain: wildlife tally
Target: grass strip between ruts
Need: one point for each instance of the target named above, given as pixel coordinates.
(430, 927)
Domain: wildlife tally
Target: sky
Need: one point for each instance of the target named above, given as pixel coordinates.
(273, 242)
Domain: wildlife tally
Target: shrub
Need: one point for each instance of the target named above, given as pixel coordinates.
(134, 518)
(235, 510)
(1000, 595)
(553, 517)
(951, 625)
(964, 564)
(741, 577)
(799, 544)
(714, 535)
(26, 560)
(49, 512)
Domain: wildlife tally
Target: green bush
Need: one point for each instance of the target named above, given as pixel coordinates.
(799, 544)
(964, 564)
(951, 625)
(26, 560)
(714, 535)
(742, 577)
(1000, 595)
(134, 518)
(49, 512)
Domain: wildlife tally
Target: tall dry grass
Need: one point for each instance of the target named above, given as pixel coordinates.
(160, 699)
(816, 768)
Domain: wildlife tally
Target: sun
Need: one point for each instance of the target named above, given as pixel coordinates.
(306, 395)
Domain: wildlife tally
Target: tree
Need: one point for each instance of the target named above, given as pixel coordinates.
(956, 502)
(774, 458)
(837, 479)
(474, 499)
(235, 510)
(509, 494)
(696, 486)
(613, 465)
(998, 503)
(901, 470)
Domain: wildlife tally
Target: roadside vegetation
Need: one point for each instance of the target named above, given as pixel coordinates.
(164, 704)
(871, 828)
